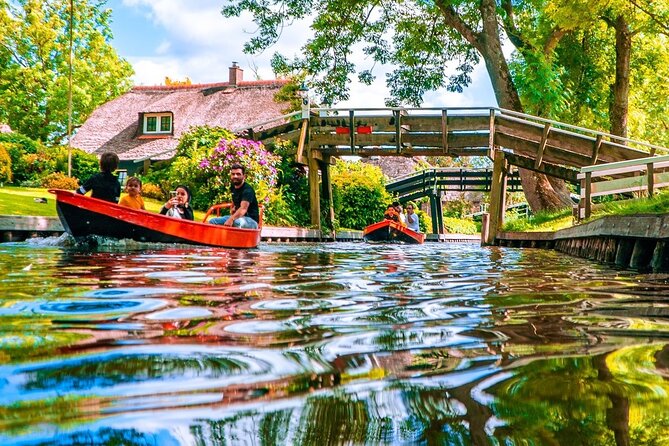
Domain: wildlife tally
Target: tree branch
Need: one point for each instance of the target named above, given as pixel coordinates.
(553, 40)
(510, 27)
(658, 21)
(453, 20)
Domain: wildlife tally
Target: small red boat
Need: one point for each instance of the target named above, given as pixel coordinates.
(82, 215)
(391, 231)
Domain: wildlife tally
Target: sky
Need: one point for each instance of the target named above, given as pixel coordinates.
(191, 38)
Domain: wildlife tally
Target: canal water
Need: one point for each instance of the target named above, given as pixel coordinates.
(318, 344)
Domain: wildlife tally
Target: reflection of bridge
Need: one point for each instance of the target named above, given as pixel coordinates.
(432, 182)
(507, 137)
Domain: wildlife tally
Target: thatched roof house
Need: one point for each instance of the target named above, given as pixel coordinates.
(146, 122)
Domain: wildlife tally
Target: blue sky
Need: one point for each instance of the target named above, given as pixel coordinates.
(190, 38)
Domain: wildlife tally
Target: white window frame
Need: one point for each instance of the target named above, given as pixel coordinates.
(158, 117)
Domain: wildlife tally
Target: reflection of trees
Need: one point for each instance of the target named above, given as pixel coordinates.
(93, 372)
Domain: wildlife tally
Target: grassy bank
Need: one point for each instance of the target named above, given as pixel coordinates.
(552, 221)
(29, 201)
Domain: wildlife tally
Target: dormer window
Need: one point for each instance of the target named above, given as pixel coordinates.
(156, 124)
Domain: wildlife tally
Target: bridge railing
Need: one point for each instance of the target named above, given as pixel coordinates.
(639, 175)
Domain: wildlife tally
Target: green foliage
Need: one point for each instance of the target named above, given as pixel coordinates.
(460, 226)
(34, 65)
(5, 165)
(540, 221)
(293, 185)
(198, 141)
(84, 164)
(424, 221)
(359, 195)
(457, 207)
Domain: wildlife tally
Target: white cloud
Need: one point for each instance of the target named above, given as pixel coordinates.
(200, 43)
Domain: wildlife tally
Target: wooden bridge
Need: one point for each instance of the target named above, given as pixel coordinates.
(432, 182)
(507, 137)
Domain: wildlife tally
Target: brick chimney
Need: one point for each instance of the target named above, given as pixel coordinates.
(236, 74)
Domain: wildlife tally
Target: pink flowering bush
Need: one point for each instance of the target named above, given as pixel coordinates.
(261, 167)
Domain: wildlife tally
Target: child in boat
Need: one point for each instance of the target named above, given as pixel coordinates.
(178, 206)
(104, 185)
(133, 199)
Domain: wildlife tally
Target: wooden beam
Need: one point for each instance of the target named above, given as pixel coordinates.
(303, 140)
(542, 146)
(444, 129)
(314, 193)
(351, 130)
(650, 172)
(595, 149)
(549, 169)
(398, 131)
(588, 194)
(491, 134)
(497, 195)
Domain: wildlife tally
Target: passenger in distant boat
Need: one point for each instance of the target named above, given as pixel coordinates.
(178, 206)
(391, 214)
(412, 218)
(244, 212)
(398, 209)
(133, 199)
(104, 185)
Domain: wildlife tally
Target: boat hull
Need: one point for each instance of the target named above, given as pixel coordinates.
(390, 231)
(84, 216)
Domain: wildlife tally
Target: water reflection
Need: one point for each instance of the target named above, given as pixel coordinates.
(328, 344)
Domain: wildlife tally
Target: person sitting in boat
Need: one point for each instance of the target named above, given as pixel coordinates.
(133, 199)
(104, 185)
(412, 218)
(178, 206)
(244, 212)
(391, 214)
(398, 208)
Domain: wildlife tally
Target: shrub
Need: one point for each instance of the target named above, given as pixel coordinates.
(59, 180)
(18, 146)
(460, 226)
(150, 190)
(84, 165)
(359, 194)
(5, 165)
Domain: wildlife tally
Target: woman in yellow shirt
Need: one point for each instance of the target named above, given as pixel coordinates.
(133, 199)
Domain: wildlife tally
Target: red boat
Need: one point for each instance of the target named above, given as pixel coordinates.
(391, 231)
(82, 215)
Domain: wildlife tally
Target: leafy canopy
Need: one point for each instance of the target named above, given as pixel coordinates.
(34, 65)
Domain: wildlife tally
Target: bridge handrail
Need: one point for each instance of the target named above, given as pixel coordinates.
(583, 129)
(610, 186)
(269, 121)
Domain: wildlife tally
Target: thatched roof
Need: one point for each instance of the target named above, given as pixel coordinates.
(113, 126)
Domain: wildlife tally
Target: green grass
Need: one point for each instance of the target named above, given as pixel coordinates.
(21, 201)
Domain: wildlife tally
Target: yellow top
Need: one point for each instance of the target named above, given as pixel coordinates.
(132, 202)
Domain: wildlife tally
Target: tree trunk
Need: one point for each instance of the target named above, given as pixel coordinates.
(540, 192)
(620, 96)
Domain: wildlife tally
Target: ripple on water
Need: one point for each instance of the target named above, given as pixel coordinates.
(261, 327)
(100, 306)
(112, 293)
(300, 304)
(181, 313)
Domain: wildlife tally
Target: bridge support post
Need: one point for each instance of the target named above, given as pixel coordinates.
(314, 192)
(497, 196)
(326, 179)
(437, 214)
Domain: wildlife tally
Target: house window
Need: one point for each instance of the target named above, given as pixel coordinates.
(157, 123)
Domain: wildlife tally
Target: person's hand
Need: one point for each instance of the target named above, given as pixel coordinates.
(171, 202)
(228, 222)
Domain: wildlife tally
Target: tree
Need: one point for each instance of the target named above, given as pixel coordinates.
(419, 38)
(34, 49)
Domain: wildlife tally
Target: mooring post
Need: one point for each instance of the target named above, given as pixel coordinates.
(314, 192)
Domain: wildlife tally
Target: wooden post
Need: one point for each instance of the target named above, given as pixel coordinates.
(542, 146)
(351, 130)
(398, 131)
(314, 192)
(588, 194)
(497, 196)
(444, 130)
(303, 141)
(491, 139)
(146, 166)
(595, 149)
(326, 180)
(651, 178)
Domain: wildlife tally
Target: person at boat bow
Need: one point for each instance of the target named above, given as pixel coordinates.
(104, 185)
(244, 212)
